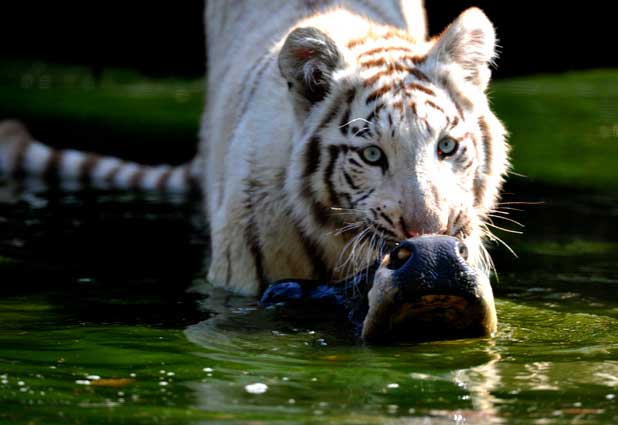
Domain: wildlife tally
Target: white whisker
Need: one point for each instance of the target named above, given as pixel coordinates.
(354, 120)
(510, 220)
(493, 237)
(504, 229)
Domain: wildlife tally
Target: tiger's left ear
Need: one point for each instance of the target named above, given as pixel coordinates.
(465, 51)
(307, 61)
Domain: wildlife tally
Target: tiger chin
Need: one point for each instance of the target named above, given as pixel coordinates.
(332, 132)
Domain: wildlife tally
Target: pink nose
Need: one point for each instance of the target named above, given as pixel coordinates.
(410, 230)
(407, 229)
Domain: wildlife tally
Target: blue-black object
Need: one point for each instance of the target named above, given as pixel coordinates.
(432, 265)
(348, 297)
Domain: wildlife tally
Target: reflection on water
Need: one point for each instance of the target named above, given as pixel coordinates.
(100, 322)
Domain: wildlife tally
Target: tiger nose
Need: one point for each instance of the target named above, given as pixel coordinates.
(413, 229)
(408, 230)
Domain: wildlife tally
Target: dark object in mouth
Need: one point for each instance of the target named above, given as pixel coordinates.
(422, 289)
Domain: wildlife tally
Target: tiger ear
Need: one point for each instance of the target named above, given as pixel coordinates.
(307, 61)
(465, 50)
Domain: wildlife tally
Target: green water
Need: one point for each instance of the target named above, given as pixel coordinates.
(98, 324)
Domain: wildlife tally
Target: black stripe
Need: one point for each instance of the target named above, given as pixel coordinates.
(364, 132)
(334, 151)
(355, 162)
(312, 156)
(387, 219)
(51, 167)
(136, 178)
(344, 126)
(113, 172)
(335, 106)
(312, 159)
(350, 96)
(228, 271)
(348, 198)
(251, 233)
(88, 165)
(386, 231)
(314, 252)
(349, 180)
(332, 113)
(20, 155)
(163, 179)
(362, 198)
(321, 213)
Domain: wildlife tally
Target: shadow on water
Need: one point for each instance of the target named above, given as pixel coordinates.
(119, 257)
(101, 322)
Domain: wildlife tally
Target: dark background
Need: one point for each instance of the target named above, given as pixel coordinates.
(165, 38)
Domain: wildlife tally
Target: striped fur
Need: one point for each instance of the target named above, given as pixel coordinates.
(300, 95)
(21, 155)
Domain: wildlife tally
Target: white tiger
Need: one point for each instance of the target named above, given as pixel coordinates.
(332, 130)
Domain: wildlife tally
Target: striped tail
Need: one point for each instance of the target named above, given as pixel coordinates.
(22, 156)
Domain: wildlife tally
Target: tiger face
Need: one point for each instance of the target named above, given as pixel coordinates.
(397, 137)
(403, 165)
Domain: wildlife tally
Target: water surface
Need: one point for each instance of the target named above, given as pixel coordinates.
(98, 324)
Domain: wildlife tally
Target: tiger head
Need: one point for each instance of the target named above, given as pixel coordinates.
(395, 136)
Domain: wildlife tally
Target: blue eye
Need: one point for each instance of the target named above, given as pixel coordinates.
(447, 147)
(372, 155)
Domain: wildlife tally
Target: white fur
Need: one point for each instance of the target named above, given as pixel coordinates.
(103, 168)
(152, 175)
(36, 156)
(252, 133)
(122, 179)
(70, 163)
